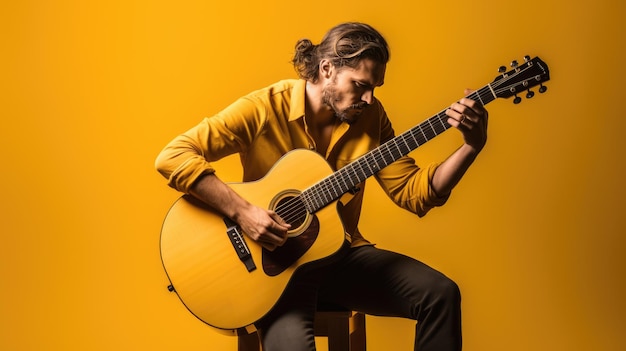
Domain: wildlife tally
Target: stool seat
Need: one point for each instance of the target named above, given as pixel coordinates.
(344, 329)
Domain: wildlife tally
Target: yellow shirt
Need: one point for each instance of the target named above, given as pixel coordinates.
(264, 125)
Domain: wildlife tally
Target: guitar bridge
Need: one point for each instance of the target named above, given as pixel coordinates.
(239, 244)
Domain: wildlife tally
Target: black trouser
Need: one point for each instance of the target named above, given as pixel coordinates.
(373, 281)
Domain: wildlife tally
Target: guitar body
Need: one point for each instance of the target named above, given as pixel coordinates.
(203, 266)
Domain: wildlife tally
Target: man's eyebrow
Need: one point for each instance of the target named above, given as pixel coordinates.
(370, 85)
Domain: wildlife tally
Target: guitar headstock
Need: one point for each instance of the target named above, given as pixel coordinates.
(521, 78)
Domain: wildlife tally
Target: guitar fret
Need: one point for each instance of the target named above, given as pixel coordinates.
(321, 193)
(477, 95)
(357, 171)
(385, 155)
(337, 188)
(369, 165)
(371, 162)
(374, 159)
(381, 160)
(412, 134)
(406, 145)
(423, 134)
(431, 133)
(351, 167)
(327, 195)
(334, 189)
(492, 92)
(396, 150)
(362, 174)
(311, 196)
(306, 197)
(346, 186)
(439, 127)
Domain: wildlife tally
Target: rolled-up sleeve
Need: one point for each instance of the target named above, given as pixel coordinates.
(407, 184)
(189, 155)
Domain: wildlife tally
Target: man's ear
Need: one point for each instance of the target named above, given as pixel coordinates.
(326, 69)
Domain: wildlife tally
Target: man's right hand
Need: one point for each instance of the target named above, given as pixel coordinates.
(265, 227)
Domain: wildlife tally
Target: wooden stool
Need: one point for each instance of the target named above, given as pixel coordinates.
(345, 331)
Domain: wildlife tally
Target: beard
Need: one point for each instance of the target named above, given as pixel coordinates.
(330, 99)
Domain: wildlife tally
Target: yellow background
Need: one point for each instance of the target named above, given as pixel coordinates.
(92, 90)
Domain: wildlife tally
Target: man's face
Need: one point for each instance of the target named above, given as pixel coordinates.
(350, 90)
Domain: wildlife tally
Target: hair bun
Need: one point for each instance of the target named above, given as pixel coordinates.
(304, 47)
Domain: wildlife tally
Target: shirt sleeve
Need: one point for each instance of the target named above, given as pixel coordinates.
(189, 155)
(407, 184)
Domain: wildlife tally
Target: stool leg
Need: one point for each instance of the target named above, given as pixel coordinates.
(358, 338)
(248, 342)
(338, 334)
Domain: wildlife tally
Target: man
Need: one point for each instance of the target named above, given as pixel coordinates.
(332, 110)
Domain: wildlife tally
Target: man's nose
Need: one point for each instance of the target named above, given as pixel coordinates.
(368, 96)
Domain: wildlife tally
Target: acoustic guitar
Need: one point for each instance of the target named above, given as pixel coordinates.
(229, 281)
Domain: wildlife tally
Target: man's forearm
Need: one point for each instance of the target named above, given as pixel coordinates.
(450, 172)
(217, 194)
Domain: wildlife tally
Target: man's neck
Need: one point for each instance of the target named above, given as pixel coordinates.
(318, 114)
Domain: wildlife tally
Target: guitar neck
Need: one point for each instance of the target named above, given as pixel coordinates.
(347, 178)
(522, 77)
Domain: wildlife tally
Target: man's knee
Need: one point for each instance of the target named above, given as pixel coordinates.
(442, 294)
(447, 291)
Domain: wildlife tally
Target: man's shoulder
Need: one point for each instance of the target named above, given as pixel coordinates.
(283, 86)
(282, 90)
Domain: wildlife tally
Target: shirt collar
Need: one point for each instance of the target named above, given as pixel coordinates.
(298, 97)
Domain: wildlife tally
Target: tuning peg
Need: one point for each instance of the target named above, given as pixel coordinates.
(517, 99)
(530, 94)
(514, 64)
(502, 69)
(542, 88)
(526, 58)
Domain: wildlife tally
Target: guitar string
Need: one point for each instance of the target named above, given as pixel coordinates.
(296, 207)
(297, 204)
(511, 75)
(411, 139)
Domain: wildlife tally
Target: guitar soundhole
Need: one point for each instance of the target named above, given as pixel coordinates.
(290, 208)
(303, 233)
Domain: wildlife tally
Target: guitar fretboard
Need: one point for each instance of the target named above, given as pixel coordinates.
(348, 177)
